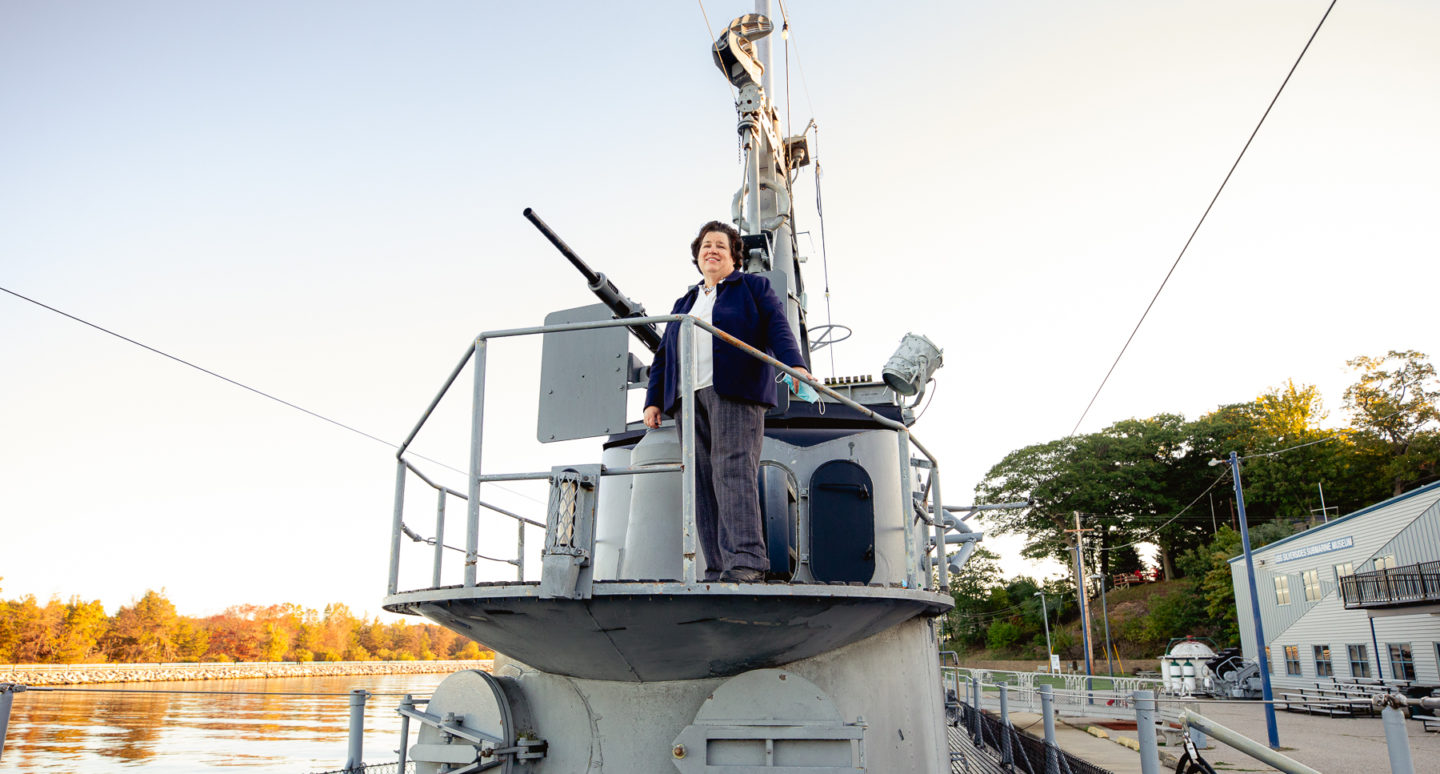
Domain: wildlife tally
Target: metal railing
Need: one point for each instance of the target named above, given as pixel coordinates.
(1408, 585)
(1074, 694)
(916, 576)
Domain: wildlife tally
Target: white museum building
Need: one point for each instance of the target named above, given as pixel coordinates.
(1357, 598)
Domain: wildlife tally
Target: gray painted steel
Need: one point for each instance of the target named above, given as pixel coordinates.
(584, 376)
(669, 631)
(664, 674)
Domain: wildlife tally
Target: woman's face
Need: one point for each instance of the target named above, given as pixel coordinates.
(715, 260)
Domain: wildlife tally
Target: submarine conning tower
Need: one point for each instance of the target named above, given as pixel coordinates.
(612, 653)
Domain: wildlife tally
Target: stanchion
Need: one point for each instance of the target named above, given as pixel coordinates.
(1047, 710)
(1397, 742)
(355, 760)
(1007, 755)
(406, 704)
(1145, 727)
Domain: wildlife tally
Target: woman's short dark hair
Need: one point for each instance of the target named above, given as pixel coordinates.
(730, 233)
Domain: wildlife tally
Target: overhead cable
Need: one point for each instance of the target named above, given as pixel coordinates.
(1201, 222)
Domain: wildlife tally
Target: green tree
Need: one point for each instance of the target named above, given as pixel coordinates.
(1395, 411)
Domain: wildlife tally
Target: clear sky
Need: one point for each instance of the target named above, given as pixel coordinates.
(322, 200)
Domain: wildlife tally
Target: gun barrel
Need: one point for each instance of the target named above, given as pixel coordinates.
(590, 275)
(600, 285)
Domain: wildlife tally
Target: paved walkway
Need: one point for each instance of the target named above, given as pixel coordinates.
(1328, 745)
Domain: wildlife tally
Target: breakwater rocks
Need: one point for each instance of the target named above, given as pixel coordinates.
(85, 674)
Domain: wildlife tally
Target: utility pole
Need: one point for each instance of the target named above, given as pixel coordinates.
(1080, 591)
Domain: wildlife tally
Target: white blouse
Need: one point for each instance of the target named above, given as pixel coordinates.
(704, 343)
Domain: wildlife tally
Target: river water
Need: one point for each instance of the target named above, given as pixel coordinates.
(293, 725)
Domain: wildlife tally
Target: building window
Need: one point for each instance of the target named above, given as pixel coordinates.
(1386, 562)
(1359, 661)
(1282, 589)
(1292, 659)
(1402, 662)
(1343, 569)
(1323, 667)
(1311, 579)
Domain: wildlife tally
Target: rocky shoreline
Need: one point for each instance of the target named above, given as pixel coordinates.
(85, 674)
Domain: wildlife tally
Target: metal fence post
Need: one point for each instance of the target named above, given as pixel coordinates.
(439, 538)
(7, 697)
(1145, 726)
(354, 761)
(1396, 741)
(406, 703)
(1007, 756)
(477, 434)
(396, 527)
(1047, 710)
(975, 727)
(687, 451)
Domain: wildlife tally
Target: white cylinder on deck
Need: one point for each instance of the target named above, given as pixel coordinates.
(612, 515)
(653, 538)
(1188, 672)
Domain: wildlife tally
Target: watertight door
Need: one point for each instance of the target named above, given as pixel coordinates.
(842, 523)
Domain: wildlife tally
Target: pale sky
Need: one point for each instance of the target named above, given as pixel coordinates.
(322, 201)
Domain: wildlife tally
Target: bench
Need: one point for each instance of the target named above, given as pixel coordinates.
(1315, 705)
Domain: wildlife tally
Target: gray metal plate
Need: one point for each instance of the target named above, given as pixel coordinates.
(583, 377)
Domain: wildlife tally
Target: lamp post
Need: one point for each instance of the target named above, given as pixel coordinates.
(1105, 611)
(1045, 616)
(1254, 602)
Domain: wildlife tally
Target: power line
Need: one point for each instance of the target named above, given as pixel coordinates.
(247, 387)
(1201, 222)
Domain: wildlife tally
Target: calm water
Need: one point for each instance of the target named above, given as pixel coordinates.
(253, 729)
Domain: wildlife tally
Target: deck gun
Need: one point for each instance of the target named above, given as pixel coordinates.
(601, 286)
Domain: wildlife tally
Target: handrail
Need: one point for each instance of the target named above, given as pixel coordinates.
(477, 351)
(1244, 744)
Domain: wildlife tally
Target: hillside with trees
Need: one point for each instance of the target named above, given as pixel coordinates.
(150, 630)
(1151, 482)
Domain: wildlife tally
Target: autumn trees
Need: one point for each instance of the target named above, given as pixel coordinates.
(151, 630)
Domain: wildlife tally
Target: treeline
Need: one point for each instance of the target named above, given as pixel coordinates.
(151, 630)
(1007, 618)
(1152, 481)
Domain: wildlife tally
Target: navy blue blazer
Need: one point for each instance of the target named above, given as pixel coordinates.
(748, 309)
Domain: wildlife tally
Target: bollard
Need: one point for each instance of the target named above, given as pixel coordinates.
(355, 760)
(1007, 756)
(406, 703)
(1145, 726)
(1397, 743)
(1047, 709)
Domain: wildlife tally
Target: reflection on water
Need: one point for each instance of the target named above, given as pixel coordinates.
(257, 727)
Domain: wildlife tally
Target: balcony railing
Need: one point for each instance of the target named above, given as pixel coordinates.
(1413, 584)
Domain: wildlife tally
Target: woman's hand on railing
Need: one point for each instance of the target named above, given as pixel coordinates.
(652, 417)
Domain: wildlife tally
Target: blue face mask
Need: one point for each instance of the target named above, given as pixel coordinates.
(802, 390)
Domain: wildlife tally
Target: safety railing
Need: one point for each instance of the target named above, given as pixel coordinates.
(1073, 694)
(1408, 585)
(916, 573)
